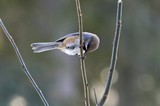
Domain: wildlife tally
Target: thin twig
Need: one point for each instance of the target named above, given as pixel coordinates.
(114, 52)
(23, 64)
(82, 57)
(95, 95)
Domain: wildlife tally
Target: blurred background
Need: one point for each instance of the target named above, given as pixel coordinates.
(137, 75)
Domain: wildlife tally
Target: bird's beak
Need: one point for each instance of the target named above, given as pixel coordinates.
(86, 44)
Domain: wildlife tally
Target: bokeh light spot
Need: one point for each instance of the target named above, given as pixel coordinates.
(113, 97)
(157, 97)
(146, 82)
(104, 75)
(18, 101)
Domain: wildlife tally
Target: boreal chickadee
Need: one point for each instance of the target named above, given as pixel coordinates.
(69, 44)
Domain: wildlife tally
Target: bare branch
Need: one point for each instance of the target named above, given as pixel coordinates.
(95, 95)
(114, 52)
(82, 57)
(23, 64)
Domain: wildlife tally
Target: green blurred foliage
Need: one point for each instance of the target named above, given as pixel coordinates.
(57, 74)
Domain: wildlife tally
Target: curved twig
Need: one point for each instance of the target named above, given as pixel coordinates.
(23, 64)
(114, 52)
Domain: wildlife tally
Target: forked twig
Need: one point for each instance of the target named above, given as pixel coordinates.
(114, 52)
(23, 64)
(82, 57)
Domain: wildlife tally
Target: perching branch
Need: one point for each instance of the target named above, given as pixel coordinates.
(82, 57)
(114, 52)
(23, 64)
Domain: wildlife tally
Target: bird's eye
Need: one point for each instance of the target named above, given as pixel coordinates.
(71, 47)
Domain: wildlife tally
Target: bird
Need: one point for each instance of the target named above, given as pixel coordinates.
(69, 44)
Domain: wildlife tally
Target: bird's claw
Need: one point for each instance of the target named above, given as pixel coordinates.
(83, 57)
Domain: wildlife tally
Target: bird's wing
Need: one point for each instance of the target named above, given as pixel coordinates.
(64, 37)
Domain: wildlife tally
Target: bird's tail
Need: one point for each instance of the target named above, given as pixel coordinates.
(44, 46)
